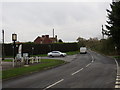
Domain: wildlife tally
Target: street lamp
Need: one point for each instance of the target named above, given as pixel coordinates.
(14, 38)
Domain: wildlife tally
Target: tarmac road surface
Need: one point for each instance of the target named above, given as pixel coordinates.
(89, 70)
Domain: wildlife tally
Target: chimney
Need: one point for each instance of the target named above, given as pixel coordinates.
(43, 36)
(47, 36)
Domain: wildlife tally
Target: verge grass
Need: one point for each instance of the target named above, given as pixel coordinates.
(8, 60)
(45, 64)
(72, 52)
(117, 57)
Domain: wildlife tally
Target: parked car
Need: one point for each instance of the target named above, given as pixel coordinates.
(56, 54)
(83, 50)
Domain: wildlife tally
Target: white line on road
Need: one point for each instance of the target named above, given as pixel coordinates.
(53, 84)
(117, 86)
(88, 64)
(117, 66)
(118, 77)
(77, 71)
(92, 58)
(117, 82)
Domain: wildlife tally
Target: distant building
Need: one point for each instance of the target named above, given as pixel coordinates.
(45, 39)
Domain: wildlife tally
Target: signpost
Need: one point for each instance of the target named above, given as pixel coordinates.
(14, 38)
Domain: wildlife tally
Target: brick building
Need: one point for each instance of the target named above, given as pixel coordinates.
(45, 39)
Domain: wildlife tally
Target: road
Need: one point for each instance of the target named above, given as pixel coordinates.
(89, 70)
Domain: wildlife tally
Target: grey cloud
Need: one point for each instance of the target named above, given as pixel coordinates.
(70, 20)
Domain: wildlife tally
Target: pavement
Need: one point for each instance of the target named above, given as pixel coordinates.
(89, 70)
(7, 65)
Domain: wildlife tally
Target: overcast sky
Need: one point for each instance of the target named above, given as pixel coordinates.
(69, 19)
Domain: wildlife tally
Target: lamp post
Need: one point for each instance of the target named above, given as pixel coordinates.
(14, 38)
(3, 44)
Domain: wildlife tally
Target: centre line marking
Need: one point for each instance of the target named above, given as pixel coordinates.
(53, 84)
(88, 64)
(77, 71)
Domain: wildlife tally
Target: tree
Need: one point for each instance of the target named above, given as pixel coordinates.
(81, 41)
(60, 40)
(114, 23)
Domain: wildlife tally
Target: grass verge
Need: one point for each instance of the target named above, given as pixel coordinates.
(112, 55)
(41, 55)
(45, 64)
(73, 52)
(117, 57)
(8, 60)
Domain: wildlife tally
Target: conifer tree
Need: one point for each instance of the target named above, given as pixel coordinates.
(114, 23)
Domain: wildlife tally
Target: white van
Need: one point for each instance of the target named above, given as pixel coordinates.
(83, 50)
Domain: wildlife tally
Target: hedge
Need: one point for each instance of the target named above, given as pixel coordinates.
(41, 48)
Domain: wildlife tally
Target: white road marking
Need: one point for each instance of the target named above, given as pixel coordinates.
(88, 64)
(92, 58)
(118, 76)
(77, 71)
(53, 84)
(117, 86)
(117, 66)
(117, 82)
(117, 79)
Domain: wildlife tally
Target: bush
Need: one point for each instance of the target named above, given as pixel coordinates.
(104, 46)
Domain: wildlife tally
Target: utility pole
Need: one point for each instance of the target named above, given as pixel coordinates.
(53, 32)
(113, 1)
(102, 31)
(3, 44)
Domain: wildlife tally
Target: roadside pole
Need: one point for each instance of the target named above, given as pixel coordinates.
(14, 38)
(2, 44)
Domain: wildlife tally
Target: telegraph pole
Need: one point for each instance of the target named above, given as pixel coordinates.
(53, 32)
(3, 44)
(102, 31)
